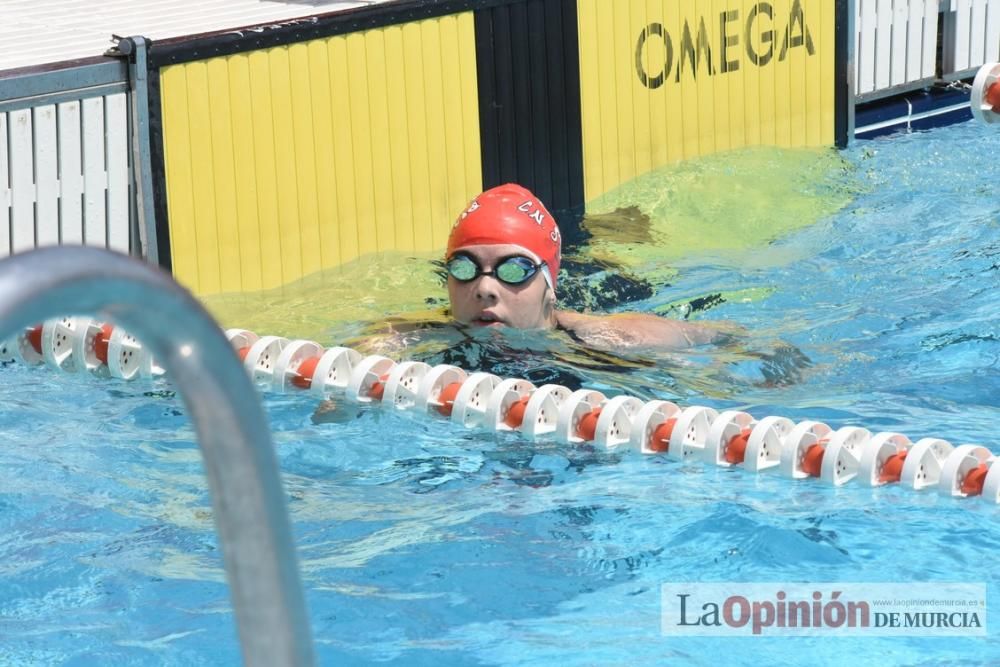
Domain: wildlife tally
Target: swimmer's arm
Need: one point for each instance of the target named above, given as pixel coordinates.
(332, 411)
(392, 337)
(643, 330)
(386, 340)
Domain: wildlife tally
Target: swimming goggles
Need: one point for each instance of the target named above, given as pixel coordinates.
(513, 270)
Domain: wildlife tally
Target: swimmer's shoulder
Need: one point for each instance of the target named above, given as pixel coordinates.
(637, 330)
(392, 336)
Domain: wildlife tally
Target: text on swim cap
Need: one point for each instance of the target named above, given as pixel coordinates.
(538, 217)
(472, 207)
(535, 215)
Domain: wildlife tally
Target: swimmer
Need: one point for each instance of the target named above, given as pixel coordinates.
(503, 263)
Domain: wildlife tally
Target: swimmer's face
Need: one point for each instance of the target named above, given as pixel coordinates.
(485, 301)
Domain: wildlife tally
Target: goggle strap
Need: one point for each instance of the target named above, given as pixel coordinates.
(548, 277)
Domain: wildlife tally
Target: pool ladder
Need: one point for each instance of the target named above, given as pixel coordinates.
(247, 496)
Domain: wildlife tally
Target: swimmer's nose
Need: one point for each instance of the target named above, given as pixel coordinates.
(486, 289)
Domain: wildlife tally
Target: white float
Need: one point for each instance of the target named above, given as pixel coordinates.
(365, 374)
(982, 110)
(262, 357)
(647, 420)
(923, 464)
(472, 400)
(843, 454)
(766, 443)
(286, 367)
(803, 436)
(504, 396)
(876, 452)
(333, 371)
(541, 415)
(434, 382)
(960, 462)
(614, 426)
(578, 404)
(403, 383)
(690, 432)
(724, 428)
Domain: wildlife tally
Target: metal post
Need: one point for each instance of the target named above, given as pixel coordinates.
(247, 495)
(135, 49)
(852, 66)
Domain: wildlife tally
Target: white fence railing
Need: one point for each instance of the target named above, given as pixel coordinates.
(970, 35)
(896, 43)
(64, 174)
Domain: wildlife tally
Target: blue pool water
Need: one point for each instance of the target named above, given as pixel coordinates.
(424, 543)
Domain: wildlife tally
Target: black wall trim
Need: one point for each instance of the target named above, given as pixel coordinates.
(159, 170)
(211, 45)
(842, 92)
(528, 61)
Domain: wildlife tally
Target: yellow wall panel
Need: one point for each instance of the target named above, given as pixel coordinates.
(418, 144)
(177, 158)
(347, 235)
(378, 130)
(264, 166)
(223, 176)
(469, 139)
(823, 94)
(782, 84)
(303, 157)
(201, 176)
(323, 148)
(618, 27)
(244, 178)
(455, 115)
(607, 100)
(398, 144)
(590, 95)
(285, 165)
(663, 80)
(434, 128)
(284, 161)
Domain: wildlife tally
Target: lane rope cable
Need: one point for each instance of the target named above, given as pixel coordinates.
(809, 449)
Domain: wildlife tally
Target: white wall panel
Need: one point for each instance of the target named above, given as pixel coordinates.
(5, 193)
(46, 176)
(65, 175)
(70, 173)
(977, 32)
(883, 44)
(896, 42)
(95, 181)
(865, 52)
(992, 49)
(116, 128)
(930, 41)
(900, 28)
(22, 184)
(971, 35)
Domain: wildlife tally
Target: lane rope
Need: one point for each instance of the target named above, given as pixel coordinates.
(808, 449)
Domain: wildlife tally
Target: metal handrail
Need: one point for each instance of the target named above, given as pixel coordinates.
(247, 495)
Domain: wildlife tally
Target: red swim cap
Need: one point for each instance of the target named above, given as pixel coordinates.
(510, 214)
